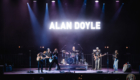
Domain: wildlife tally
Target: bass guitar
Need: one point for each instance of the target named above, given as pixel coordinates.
(95, 58)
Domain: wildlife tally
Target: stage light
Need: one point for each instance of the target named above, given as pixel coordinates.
(96, 0)
(42, 46)
(34, 1)
(117, 0)
(53, 0)
(126, 47)
(107, 46)
(18, 46)
(27, 3)
(122, 3)
(103, 3)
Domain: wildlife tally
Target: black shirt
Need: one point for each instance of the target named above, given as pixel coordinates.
(42, 54)
(54, 55)
(117, 56)
(74, 52)
(48, 53)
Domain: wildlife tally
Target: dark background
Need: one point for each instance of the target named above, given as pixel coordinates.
(16, 29)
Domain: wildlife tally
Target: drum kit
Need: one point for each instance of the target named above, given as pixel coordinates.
(68, 58)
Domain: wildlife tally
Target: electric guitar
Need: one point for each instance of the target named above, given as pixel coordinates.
(51, 59)
(114, 57)
(96, 57)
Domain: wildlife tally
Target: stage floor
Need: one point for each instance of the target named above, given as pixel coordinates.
(53, 71)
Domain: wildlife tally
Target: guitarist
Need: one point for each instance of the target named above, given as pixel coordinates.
(40, 60)
(96, 55)
(48, 53)
(54, 56)
(116, 59)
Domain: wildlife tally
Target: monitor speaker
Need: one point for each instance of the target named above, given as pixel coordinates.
(99, 71)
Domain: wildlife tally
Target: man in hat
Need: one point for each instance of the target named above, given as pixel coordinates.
(97, 54)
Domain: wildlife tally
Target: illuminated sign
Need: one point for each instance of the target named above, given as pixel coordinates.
(76, 25)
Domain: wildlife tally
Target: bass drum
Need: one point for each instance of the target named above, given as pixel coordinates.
(69, 60)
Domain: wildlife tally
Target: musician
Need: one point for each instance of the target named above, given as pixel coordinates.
(54, 56)
(97, 55)
(40, 62)
(116, 59)
(48, 53)
(73, 52)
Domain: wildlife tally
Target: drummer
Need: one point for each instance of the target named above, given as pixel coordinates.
(74, 55)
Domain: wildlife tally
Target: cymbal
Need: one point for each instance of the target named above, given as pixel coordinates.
(76, 50)
(63, 51)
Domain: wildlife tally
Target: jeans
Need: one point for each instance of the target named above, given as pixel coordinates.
(97, 64)
(40, 63)
(56, 62)
(47, 63)
(115, 65)
(77, 60)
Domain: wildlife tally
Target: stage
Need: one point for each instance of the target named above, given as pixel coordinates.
(88, 74)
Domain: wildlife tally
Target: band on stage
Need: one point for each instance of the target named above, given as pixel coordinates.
(72, 57)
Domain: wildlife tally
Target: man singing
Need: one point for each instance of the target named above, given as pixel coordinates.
(54, 56)
(116, 59)
(97, 55)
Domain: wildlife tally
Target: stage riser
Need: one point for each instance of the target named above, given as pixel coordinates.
(74, 67)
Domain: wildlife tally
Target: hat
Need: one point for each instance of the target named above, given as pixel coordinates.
(97, 47)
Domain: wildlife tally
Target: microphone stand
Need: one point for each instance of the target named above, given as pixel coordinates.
(30, 62)
(80, 46)
(107, 63)
(69, 65)
(81, 53)
(62, 48)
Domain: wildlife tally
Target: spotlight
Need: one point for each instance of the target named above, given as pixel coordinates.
(18, 46)
(117, 0)
(42, 46)
(27, 3)
(53, 0)
(123, 3)
(107, 46)
(103, 3)
(34, 1)
(126, 47)
(96, 0)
